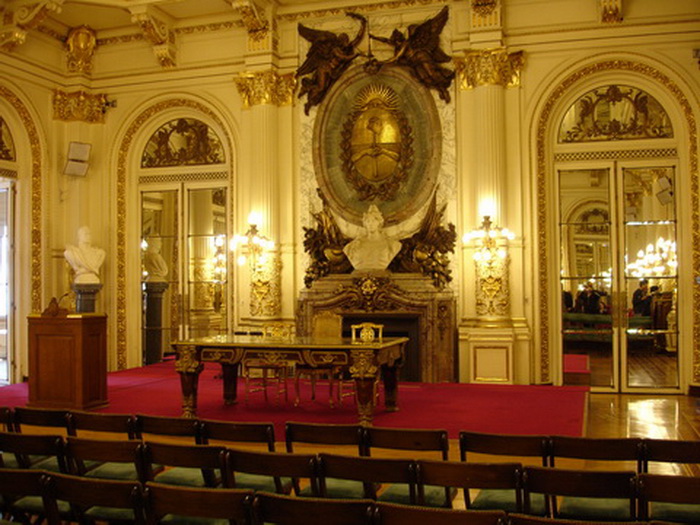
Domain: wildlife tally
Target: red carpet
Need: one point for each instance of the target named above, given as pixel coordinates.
(508, 409)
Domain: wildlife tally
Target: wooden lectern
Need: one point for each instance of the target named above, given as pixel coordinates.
(68, 361)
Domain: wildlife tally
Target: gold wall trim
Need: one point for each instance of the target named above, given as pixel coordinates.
(618, 155)
(79, 106)
(122, 174)
(266, 87)
(35, 145)
(8, 174)
(184, 177)
(357, 8)
(543, 151)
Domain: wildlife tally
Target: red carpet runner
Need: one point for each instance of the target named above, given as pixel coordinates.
(508, 409)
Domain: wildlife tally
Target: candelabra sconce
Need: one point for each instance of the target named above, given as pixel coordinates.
(492, 266)
(265, 266)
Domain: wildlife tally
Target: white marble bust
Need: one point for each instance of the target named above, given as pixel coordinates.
(85, 259)
(153, 261)
(372, 249)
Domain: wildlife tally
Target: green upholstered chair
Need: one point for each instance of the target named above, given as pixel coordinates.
(392, 514)
(154, 428)
(272, 472)
(600, 453)
(674, 455)
(35, 451)
(105, 459)
(186, 465)
(669, 498)
(21, 495)
(37, 421)
(287, 510)
(524, 519)
(95, 425)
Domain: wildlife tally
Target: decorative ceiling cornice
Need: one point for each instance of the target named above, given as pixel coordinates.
(254, 18)
(16, 23)
(157, 29)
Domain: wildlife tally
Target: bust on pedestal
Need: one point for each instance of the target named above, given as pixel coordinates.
(373, 249)
(155, 286)
(86, 260)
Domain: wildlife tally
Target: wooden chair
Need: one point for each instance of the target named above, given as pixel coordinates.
(276, 508)
(677, 455)
(7, 422)
(20, 495)
(492, 447)
(325, 324)
(40, 417)
(154, 428)
(418, 442)
(185, 465)
(93, 500)
(372, 473)
(523, 519)
(492, 476)
(272, 472)
(348, 438)
(259, 373)
(608, 453)
(669, 498)
(105, 459)
(100, 426)
(585, 494)
(34, 451)
(194, 505)
(392, 514)
(367, 332)
(229, 433)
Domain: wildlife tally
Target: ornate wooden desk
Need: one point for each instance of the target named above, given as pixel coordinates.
(363, 361)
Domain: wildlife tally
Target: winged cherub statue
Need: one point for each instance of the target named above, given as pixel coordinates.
(420, 51)
(328, 57)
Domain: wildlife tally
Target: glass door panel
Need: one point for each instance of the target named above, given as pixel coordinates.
(651, 272)
(586, 275)
(5, 284)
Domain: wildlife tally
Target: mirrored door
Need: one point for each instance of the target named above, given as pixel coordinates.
(618, 277)
(184, 265)
(6, 291)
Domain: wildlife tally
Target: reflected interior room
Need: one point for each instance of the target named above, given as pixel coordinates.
(534, 173)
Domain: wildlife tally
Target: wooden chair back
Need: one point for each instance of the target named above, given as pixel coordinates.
(605, 450)
(406, 439)
(93, 423)
(682, 452)
(93, 499)
(7, 422)
(16, 484)
(367, 332)
(235, 432)
(211, 460)
(276, 508)
(370, 471)
(190, 502)
(277, 466)
(555, 482)
(40, 417)
(679, 490)
(23, 446)
(323, 434)
(327, 324)
(470, 476)
(393, 514)
(521, 446)
(81, 452)
(151, 427)
(524, 519)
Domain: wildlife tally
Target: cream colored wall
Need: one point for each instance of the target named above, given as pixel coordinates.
(557, 36)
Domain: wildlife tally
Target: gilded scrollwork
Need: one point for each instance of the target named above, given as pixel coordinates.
(489, 67)
(363, 364)
(265, 87)
(376, 144)
(158, 32)
(79, 106)
(7, 143)
(23, 18)
(183, 142)
(187, 361)
(370, 294)
(80, 45)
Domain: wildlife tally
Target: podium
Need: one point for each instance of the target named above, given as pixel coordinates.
(68, 361)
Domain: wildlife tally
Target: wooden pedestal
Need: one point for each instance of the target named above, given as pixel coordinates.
(68, 361)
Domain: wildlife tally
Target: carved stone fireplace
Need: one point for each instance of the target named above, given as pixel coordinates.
(408, 304)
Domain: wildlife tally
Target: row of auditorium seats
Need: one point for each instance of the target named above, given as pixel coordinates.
(510, 487)
(60, 498)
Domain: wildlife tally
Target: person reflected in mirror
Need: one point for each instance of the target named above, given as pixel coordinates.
(85, 259)
(588, 300)
(641, 299)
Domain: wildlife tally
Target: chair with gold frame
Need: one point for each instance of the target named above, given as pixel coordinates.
(325, 324)
(259, 373)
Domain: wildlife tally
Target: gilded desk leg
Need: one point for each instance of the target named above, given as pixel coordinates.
(364, 390)
(188, 366)
(390, 375)
(364, 370)
(230, 373)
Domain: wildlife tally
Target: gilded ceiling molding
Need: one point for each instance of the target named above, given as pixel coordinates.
(265, 87)
(79, 106)
(80, 47)
(122, 175)
(485, 14)
(254, 19)
(357, 8)
(35, 146)
(489, 67)
(14, 31)
(610, 11)
(158, 32)
(544, 152)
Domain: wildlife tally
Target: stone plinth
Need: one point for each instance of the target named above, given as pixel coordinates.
(85, 297)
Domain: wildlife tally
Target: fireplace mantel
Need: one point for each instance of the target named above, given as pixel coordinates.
(385, 294)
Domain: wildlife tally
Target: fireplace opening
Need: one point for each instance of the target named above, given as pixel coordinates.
(395, 326)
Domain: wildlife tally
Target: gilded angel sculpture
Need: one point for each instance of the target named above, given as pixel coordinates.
(420, 51)
(328, 57)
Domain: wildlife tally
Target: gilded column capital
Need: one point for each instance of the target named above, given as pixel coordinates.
(265, 87)
(489, 67)
(79, 106)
